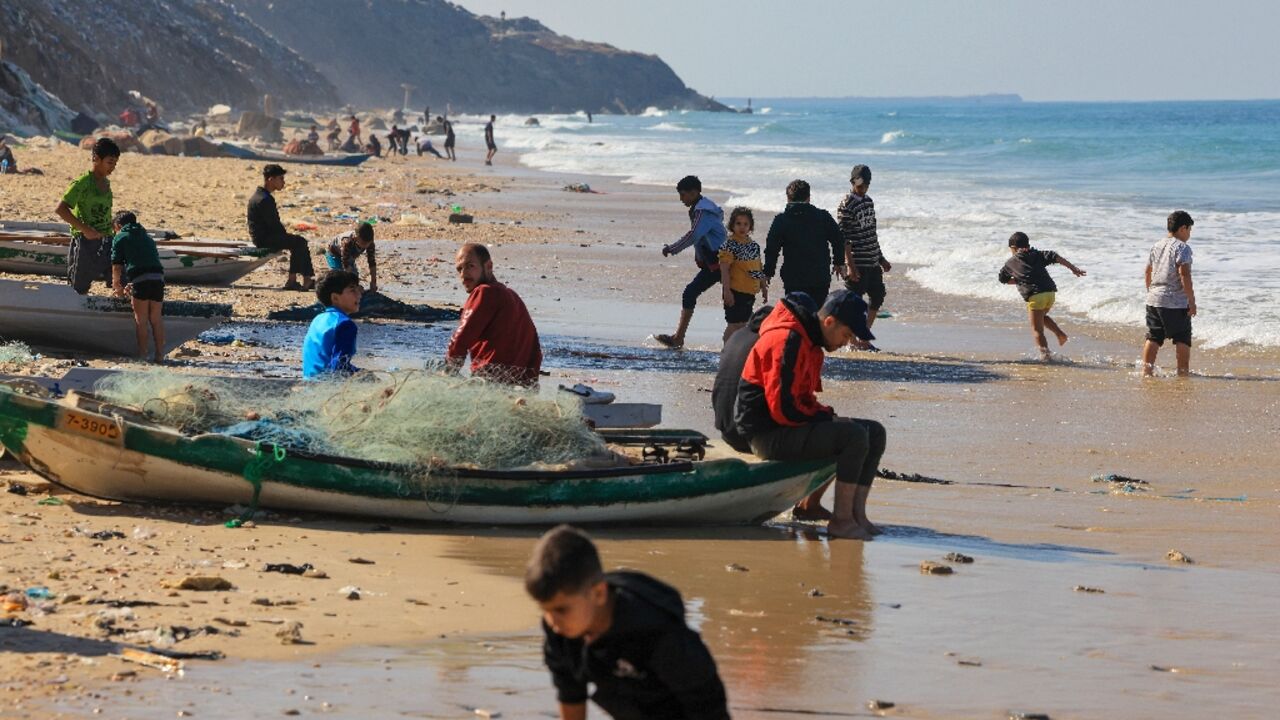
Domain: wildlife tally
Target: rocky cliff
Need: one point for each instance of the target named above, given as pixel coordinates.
(368, 48)
(184, 54)
(25, 107)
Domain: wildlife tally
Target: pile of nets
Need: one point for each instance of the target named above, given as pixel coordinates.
(422, 418)
(15, 353)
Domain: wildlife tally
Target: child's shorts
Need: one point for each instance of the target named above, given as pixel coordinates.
(1041, 301)
(152, 290)
(870, 283)
(1171, 323)
(740, 312)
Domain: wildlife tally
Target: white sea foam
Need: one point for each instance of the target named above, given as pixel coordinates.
(766, 111)
(753, 130)
(891, 136)
(670, 127)
(653, 112)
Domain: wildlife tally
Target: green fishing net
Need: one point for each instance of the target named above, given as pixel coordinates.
(424, 418)
(15, 353)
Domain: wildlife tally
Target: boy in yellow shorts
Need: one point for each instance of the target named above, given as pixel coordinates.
(1028, 268)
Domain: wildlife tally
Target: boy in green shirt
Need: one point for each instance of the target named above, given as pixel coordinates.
(134, 257)
(86, 207)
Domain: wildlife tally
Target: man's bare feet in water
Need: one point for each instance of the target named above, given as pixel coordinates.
(847, 529)
(804, 511)
(869, 527)
(1062, 338)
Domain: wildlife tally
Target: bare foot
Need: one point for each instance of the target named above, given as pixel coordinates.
(670, 341)
(870, 527)
(804, 512)
(1062, 338)
(846, 529)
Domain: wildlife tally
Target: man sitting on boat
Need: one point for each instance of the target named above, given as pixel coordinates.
(266, 230)
(495, 328)
(331, 340)
(777, 413)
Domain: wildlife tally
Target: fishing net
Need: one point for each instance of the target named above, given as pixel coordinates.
(426, 419)
(15, 353)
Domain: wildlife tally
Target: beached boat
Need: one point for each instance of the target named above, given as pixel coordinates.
(113, 452)
(41, 248)
(244, 153)
(188, 263)
(53, 315)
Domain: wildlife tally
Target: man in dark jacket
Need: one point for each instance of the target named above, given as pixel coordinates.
(810, 243)
(724, 393)
(778, 412)
(623, 632)
(266, 230)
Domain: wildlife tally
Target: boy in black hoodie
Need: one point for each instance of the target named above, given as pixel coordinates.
(622, 631)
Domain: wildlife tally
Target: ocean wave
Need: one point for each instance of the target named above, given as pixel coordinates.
(652, 111)
(670, 127)
(892, 136)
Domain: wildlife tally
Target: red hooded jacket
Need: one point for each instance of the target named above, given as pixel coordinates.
(783, 373)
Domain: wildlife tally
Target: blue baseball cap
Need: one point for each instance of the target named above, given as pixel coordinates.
(849, 308)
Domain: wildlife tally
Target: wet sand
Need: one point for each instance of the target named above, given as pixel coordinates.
(1018, 440)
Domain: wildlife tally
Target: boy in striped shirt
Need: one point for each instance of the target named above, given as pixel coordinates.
(867, 264)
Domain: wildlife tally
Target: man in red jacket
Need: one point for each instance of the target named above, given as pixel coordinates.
(495, 328)
(778, 412)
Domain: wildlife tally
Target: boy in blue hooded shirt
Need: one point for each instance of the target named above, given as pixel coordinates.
(706, 235)
(331, 340)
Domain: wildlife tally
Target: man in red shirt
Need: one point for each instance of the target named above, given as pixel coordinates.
(495, 328)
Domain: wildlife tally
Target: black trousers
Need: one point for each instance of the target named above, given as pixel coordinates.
(856, 445)
(299, 253)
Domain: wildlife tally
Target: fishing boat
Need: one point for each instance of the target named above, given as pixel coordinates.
(113, 452)
(44, 251)
(53, 315)
(244, 153)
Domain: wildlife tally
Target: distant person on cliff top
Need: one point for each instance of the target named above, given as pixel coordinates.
(488, 140)
(86, 207)
(495, 328)
(449, 138)
(706, 235)
(266, 230)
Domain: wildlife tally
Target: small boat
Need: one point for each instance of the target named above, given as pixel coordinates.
(109, 451)
(53, 315)
(42, 249)
(244, 153)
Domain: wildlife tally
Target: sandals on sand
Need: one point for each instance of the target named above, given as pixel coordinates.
(294, 285)
(668, 341)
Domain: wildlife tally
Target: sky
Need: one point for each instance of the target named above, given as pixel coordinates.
(1041, 49)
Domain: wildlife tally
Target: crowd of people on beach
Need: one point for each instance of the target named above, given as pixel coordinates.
(399, 139)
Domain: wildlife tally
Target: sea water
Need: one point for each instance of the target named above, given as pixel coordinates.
(953, 179)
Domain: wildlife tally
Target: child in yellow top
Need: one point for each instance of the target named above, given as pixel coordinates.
(741, 272)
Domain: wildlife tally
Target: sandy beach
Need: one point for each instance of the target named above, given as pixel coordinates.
(810, 627)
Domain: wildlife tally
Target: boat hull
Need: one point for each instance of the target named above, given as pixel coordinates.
(53, 315)
(243, 153)
(208, 267)
(108, 457)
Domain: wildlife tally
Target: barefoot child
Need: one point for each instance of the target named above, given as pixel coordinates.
(706, 235)
(1171, 300)
(1028, 269)
(86, 207)
(623, 632)
(134, 258)
(741, 272)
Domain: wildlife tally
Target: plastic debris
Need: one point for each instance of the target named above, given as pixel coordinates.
(929, 567)
(199, 583)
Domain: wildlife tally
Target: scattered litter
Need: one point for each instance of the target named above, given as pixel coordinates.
(735, 567)
(286, 568)
(912, 477)
(290, 633)
(314, 573)
(200, 583)
(141, 533)
(969, 663)
(107, 535)
(351, 591)
(39, 592)
(52, 501)
(815, 593)
(746, 613)
(1028, 716)
(231, 622)
(956, 557)
(151, 660)
(360, 561)
(835, 620)
(14, 622)
(581, 188)
(17, 488)
(1087, 589)
(1121, 485)
(482, 712)
(460, 218)
(880, 705)
(1161, 668)
(1178, 557)
(929, 567)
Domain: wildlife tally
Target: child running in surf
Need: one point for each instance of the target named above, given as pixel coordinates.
(741, 272)
(1028, 269)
